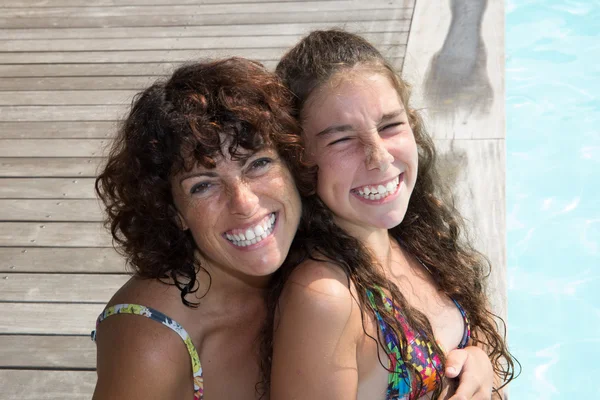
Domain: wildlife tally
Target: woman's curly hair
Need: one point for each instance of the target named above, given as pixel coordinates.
(430, 230)
(173, 125)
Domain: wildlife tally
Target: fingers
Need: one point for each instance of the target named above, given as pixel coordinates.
(455, 362)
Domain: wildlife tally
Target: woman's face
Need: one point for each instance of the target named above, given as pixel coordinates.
(357, 132)
(243, 214)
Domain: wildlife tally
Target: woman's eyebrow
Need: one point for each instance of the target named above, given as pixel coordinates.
(208, 174)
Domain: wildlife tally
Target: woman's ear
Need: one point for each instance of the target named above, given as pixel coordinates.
(181, 222)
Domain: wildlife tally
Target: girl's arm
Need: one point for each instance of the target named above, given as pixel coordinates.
(315, 338)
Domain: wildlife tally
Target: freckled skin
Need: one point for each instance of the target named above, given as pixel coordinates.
(234, 197)
(372, 150)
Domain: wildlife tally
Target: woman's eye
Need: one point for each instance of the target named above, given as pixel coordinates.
(260, 163)
(200, 187)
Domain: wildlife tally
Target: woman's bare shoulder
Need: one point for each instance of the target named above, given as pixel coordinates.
(138, 357)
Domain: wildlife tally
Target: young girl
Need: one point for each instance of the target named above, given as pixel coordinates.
(387, 287)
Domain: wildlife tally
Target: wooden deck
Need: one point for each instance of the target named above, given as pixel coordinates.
(68, 70)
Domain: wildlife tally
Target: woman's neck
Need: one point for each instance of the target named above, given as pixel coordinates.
(222, 286)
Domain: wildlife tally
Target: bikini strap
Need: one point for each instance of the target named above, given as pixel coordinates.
(155, 315)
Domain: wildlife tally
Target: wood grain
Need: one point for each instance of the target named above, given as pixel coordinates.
(62, 260)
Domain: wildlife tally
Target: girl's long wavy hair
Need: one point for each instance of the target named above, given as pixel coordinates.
(173, 125)
(431, 229)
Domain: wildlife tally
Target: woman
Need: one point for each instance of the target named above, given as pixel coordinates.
(387, 287)
(201, 199)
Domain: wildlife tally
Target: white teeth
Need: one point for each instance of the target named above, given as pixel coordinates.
(259, 230)
(379, 192)
(253, 235)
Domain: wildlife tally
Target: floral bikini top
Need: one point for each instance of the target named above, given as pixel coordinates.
(419, 353)
(159, 317)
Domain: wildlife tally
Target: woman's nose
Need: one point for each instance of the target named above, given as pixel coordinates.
(243, 201)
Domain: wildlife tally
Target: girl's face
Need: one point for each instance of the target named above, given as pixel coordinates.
(357, 132)
(243, 214)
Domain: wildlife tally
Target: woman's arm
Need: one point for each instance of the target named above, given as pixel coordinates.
(315, 337)
(141, 359)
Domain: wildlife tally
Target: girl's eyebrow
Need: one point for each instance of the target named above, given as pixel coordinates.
(345, 128)
(392, 115)
(334, 128)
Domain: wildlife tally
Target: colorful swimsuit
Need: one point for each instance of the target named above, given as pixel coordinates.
(419, 353)
(163, 319)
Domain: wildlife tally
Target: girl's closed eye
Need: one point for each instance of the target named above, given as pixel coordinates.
(340, 140)
(390, 126)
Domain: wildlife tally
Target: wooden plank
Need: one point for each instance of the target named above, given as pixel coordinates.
(48, 318)
(47, 188)
(50, 210)
(141, 56)
(62, 260)
(49, 167)
(77, 83)
(257, 29)
(53, 147)
(23, 351)
(481, 200)
(179, 43)
(333, 17)
(57, 129)
(453, 97)
(71, 288)
(52, 234)
(154, 70)
(267, 57)
(467, 101)
(118, 69)
(97, 3)
(66, 97)
(202, 9)
(61, 113)
(49, 385)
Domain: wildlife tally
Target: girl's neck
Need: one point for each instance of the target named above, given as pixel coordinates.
(378, 241)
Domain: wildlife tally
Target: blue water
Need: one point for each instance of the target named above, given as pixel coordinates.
(553, 196)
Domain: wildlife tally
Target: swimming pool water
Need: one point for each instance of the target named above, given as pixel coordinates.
(553, 196)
